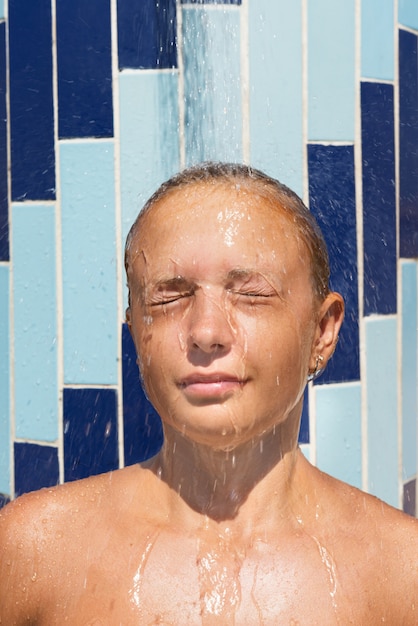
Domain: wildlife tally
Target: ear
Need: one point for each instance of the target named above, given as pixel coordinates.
(330, 318)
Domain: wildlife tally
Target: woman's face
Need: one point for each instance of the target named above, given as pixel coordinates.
(222, 312)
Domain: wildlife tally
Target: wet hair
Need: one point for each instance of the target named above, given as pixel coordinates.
(287, 201)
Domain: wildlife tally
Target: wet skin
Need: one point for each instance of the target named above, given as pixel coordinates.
(228, 524)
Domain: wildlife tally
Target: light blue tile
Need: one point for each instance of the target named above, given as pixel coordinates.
(331, 71)
(377, 39)
(212, 84)
(306, 450)
(338, 431)
(149, 144)
(4, 382)
(89, 261)
(1, 9)
(382, 423)
(409, 369)
(275, 62)
(408, 13)
(35, 322)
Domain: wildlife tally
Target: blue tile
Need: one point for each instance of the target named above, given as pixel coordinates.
(212, 85)
(90, 432)
(4, 381)
(408, 142)
(408, 13)
(409, 367)
(331, 70)
(35, 322)
(31, 101)
(85, 106)
(36, 467)
(142, 425)
(4, 499)
(332, 201)
(147, 34)
(1, 8)
(382, 401)
(4, 204)
(89, 262)
(377, 40)
(379, 198)
(338, 431)
(149, 138)
(304, 423)
(276, 117)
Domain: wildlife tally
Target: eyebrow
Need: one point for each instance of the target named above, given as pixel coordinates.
(176, 283)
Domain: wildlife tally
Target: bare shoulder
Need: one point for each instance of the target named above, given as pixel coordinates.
(44, 536)
(380, 544)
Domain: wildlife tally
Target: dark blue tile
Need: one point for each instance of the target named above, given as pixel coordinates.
(304, 424)
(332, 201)
(31, 100)
(379, 198)
(4, 499)
(36, 466)
(408, 143)
(4, 206)
(90, 432)
(147, 33)
(142, 425)
(84, 69)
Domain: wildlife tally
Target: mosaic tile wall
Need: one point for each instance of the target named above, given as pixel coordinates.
(102, 100)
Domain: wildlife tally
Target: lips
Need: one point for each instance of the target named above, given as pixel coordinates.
(210, 385)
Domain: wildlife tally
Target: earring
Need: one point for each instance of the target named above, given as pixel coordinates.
(318, 370)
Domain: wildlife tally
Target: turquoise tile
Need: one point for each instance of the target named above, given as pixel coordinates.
(4, 382)
(212, 84)
(338, 431)
(35, 321)
(89, 260)
(382, 408)
(409, 369)
(408, 13)
(149, 144)
(331, 71)
(275, 62)
(377, 39)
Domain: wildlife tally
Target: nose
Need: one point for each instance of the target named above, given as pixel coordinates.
(210, 325)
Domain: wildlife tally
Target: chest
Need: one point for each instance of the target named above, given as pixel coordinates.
(167, 581)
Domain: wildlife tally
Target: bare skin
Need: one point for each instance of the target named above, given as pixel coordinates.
(229, 523)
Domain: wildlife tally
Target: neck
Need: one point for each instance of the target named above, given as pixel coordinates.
(242, 484)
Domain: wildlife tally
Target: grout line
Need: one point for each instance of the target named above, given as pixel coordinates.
(118, 226)
(245, 81)
(383, 81)
(408, 29)
(180, 86)
(398, 261)
(58, 251)
(211, 7)
(12, 405)
(305, 187)
(73, 140)
(305, 95)
(38, 442)
(358, 172)
(137, 71)
(326, 142)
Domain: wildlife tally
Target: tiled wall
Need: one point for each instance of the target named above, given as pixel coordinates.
(103, 100)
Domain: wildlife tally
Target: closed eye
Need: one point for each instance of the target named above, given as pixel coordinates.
(163, 300)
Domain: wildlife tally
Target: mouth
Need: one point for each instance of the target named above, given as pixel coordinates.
(208, 386)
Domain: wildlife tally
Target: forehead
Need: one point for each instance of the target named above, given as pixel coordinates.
(228, 220)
